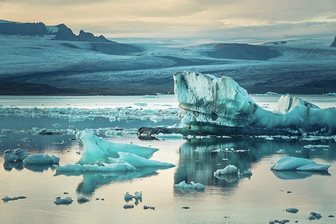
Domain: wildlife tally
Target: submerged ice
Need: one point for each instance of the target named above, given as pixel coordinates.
(220, 105)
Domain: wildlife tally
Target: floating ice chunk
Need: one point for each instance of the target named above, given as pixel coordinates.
(246, 173)
(63, 201)
(82, 200)
(128, 206)
(314, 216)
(300, 164)
(184, 187)
(292, 210)
(229, 170)
(139, 162)
(15, 155)
(128, 197)
(138, 195)
(99, 150)
(103, 167)
(41, 159)
(219, 105)
(7, 198)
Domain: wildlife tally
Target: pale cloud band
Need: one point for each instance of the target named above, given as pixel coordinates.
(165, 18)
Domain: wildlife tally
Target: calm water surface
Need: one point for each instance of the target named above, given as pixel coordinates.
(258, 199)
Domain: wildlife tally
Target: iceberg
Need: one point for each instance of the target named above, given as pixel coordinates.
(229, 170)
(299, 164)
(184, 187)
(63, 201)
(220, 106)
(97, 149)
(16, 155)
(102, 156)
(41, 159)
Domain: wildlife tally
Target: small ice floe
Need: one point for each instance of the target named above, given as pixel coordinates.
(7, 198)
(16, 155)
(128, 197)
(276, 221)
(315, 146)
(63, 201)
(314, 216)
(184, 187)
(82, 200)
(231, 173)
(128, 206)
(138, 195)
(229, 170)
(41, 159)
(299, 164)
(146, 207)
(292, 210)
(56, 125)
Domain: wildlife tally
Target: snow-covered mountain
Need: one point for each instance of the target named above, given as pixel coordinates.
(40, 59)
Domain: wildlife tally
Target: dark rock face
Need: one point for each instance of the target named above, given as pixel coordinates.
(28, 29)
(65, 33)
(333, 43)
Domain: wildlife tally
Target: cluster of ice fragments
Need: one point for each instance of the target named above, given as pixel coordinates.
(100, 155)
(82, 114)
(184, 187)
(299, 164)
(219, 104)
(21, 155)
(232, 172)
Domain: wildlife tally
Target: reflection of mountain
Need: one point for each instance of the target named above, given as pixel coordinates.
(200, 158)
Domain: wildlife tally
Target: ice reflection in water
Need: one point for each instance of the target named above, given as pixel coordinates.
(200, 158)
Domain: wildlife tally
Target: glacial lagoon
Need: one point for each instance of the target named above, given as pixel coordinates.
(48, 124)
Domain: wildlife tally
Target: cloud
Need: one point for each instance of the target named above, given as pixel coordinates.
(166, 17)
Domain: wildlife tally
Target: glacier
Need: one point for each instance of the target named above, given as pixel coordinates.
(220, 106)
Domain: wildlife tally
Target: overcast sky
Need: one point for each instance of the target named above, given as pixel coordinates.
(171, 18)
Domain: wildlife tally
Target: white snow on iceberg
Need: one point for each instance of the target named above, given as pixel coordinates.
(298, 164)
(220, 105)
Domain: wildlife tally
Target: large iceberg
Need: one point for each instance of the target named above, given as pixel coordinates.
(220, 106)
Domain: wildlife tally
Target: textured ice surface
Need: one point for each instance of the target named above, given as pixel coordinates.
(63, 201)
(41, 159)
(100, 155)
(229, 170)
(139, 162)
(299, 164)
(100, 150)
(96, 168)
(16, 155)
(184, 187)
(210, 103)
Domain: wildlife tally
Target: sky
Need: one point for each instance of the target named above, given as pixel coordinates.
(178, 18)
